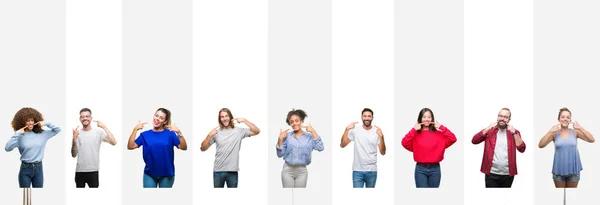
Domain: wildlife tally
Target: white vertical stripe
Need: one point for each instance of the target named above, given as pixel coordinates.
(363, 77)
(93, 80)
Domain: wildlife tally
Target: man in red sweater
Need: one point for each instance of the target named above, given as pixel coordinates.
(499, 163)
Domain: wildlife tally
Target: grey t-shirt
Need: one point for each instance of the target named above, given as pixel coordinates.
(365, 148)
(228, 142)
(88, 144)
(500, 161)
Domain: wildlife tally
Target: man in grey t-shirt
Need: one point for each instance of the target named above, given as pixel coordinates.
(367, 138)
(229, 140)
(86, 147)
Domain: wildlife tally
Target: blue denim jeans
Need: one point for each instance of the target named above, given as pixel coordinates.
(220, 178)
(160, 182)
(31, 174)
(364, 179)
(428, 175)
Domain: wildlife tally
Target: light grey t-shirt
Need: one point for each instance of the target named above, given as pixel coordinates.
(88, 144)
(365, 148)
(228, 142)
(500, 161)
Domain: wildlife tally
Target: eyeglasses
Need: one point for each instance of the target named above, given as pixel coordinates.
(85, 116)
(504, 116)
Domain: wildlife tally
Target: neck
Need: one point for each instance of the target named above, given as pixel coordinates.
(158, 129)
(86, 128)
(367, 127)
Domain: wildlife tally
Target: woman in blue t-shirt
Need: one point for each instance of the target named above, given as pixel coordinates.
(567, 163)
(158, 149)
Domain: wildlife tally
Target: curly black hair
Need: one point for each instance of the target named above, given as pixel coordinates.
(23, 115)
(300, 113)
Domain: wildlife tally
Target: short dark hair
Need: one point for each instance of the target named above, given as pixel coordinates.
(367, 110)
(300, 113)
(85, 110)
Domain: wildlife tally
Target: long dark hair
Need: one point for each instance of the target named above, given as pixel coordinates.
(432, 124)
(231, 125)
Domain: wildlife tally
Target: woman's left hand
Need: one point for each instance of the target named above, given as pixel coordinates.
(309, 128)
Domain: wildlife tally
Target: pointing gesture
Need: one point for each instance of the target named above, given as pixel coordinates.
(140, 125)
(283, 133)
(100, 124)
(418, 126)
(41, 123)
(437, 125)
(173, 128)
(576, 125)
(75, 133)
(309, 128)
(379, 133)
(555, 128)
(22, 130)
(351, 125)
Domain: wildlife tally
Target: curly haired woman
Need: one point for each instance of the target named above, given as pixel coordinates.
(31, 140)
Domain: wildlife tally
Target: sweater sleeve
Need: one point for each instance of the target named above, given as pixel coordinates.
(448, 135)
(407, 141)
(13, 142)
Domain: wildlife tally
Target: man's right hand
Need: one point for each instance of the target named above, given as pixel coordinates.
(351, 126)
(75, 133)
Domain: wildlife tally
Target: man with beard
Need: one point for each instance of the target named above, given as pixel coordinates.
(499, 162)
(86, 147)
(366, 141)
(229, 141)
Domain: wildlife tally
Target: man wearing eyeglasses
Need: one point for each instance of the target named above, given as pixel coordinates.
(86, 147)
(499, 162)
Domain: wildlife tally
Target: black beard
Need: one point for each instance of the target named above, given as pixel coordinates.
(367, 122)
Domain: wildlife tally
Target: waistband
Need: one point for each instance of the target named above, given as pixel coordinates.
(428, 164)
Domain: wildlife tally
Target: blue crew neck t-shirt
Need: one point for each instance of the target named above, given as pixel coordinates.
(158, 152)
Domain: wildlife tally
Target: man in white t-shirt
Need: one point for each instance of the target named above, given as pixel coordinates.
(366, 141)
(228, 138)
(86, 147)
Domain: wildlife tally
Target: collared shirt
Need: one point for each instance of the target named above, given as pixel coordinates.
(490, 144)
(298, 151)
(32, 145)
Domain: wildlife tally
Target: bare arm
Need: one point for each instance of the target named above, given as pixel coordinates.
(110, 138)
(74, 149)
(206, 143)
(253, 129)
(131, 142)
(345, 139)
(583, 134)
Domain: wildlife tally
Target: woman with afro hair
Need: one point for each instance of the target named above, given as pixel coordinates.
(295, 147)
(31, 140)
